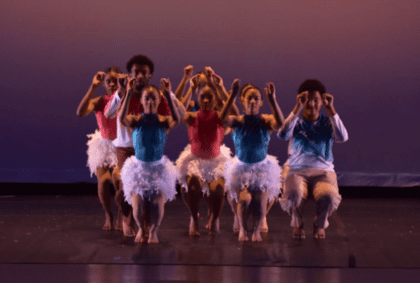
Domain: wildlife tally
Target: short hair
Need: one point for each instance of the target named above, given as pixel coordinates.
(152, 86)
(114, 69)
(140, 60)
(247, 87)
(312, 85)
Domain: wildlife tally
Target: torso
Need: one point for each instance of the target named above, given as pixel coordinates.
(107, 127)
(206, 134)
(149, 138)
(251, 139)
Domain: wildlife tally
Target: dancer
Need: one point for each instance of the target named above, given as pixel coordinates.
(140, 68)
(101, 152)
(149, 177)
(202, 163)
(311, 170)
(253, 178)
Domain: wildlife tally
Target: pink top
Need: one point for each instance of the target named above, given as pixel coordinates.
(206, 134)
(107, 127)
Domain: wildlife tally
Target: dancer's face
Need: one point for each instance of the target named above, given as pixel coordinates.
(313, 106)
(110, 82)
(150, 99)
(252, 101)
(206, 98)
(142, 76)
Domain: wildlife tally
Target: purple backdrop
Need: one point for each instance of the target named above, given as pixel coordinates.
(365, 52)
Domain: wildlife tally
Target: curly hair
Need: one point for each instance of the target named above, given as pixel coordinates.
(140, 60)
(114, 69)
(312, 85)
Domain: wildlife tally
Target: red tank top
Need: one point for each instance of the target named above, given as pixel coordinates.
(107, 127)
(206, 134)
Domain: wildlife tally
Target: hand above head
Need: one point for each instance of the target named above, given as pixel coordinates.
(235, 87)
(165, 86)
(270, 92)
(209, 75)
(188, 71)
(194, 81)
(217, 80)
(98, 78)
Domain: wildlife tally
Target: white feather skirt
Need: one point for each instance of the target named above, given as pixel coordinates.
(145, 178)
(264, 176)
(101, 152)
(205, 169)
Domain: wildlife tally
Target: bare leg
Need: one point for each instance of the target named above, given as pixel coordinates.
(259, 209)
(264, 227)
(216, 201)
(192, 200)
(233, 205)
(126, 210)
(157, 210)
(115, 178)
(104, 194)
(243, 212)
(138, 212)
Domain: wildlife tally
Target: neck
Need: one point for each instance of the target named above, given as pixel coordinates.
(310, 118)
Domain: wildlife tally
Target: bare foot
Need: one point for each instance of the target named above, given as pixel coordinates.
(139, 237)
(128, 230)
(235, 224)
(108, 223)
(256, 236)
(215, 228)
(118, 225)
(242, 236)
(298, 232)
(208, 224)
(194, 228)
(264, 226)
(153, 238)
(319, 233)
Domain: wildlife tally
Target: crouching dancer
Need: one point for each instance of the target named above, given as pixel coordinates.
(311, 169)
(149, 177)
(253, 178)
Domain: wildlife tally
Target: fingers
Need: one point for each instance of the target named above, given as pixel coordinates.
(123, 80)
(188, 71)
(165, 84)
(235, 86)
(100, 76)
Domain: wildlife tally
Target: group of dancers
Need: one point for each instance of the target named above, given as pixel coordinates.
(135, 117)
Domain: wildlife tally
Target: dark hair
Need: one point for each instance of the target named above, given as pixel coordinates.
(247, 87)
(114, 69)
(312, 85)
(140, 60)
(151, 86)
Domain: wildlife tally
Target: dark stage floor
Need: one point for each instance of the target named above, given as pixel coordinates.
(59, 238)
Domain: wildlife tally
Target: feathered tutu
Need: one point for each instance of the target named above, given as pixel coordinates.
(101, 152)
(205, 169)
(144, 178)
(263, 175)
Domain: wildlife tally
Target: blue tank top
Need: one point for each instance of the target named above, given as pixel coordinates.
(149, 138)
(251, 140)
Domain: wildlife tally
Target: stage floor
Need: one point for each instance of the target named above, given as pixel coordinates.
(48, 237)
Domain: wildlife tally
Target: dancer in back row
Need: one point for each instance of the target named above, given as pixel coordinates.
(253, 177)
(101, 152)
(203, 162)
(311, 170)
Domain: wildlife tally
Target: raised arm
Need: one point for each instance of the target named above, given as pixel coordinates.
(193, 86)
(128, 121)
(228, 121)
(188, 71)
(277, 119)
(166, 87)
(339, 131)
(286, 130)
(87, 105)
(111, 109)
(224, 95)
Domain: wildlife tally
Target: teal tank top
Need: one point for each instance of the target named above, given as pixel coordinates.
(149, 138)
(251, 140)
